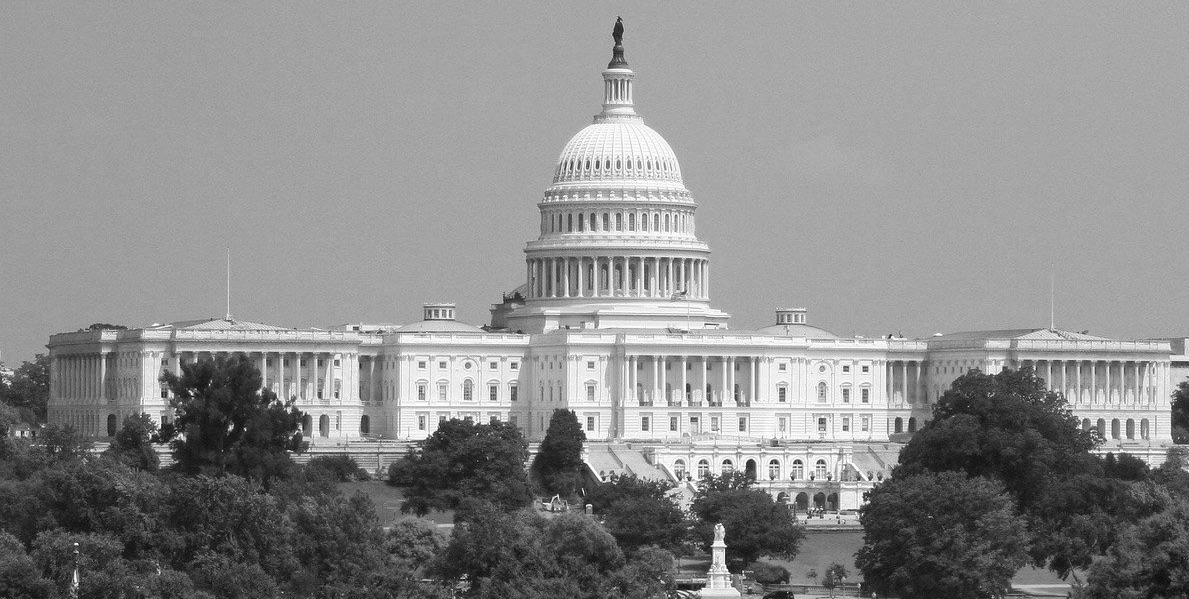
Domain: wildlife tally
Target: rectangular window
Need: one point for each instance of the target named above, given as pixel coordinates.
(338, 388)
(493, 392)
(865, 395)
(673, 424)
(321, 384)
(165, 394)
(846, 395)
(845, 424)
(493, 418)
(441, 391)
(783, 367)
(846, 369)
(782, 424)
(590, 393)
(590, 423)
(441, 365)
(514, 365)
(421, 365)
(714, 424)
(866, 368)
(336, 361)
(420, 391)
(513, 420)
(743, 424)
(421, 422)
(865, 422)
(821, 424)
(782, 393)
(695, 425)
(493, 365)
(644, 423)
(441, 419)
(512, 393)
(590, 365)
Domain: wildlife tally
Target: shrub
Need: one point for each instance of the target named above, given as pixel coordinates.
(765, 573)
(341, 468)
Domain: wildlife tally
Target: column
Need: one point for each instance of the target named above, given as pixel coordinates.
(102, 377)
(656, 380)
(371, 379)
(631, 378)
(1093, 382)
(725, 392)
(916, 377)
(1078, 376)
(904, 381)
(581, 264)
(1108, 381)
(681, 393)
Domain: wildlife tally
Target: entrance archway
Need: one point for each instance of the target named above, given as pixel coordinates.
(819, 501)
(802, 502)
(111, 425)
(749, 468)
(782, 497)
(832, 502)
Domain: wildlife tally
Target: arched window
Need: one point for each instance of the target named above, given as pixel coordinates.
(324, 426)
(821, 392)
(819, 469)
(365, 425)
(679, 469)
(581, 218)
(728, 466)
(644, 222)
(618, 165)
(606, 222)
(631, 221)
(666, 222)
(912, 425)
(797, 470)
(468, 390)
(899, 426)
(1144, 431)
(1085, 424)
(569, 223)
(1101, 426)
(1115, 428)
(618, 221)
(703, 468)
(111, 425)
(773, 469)
(1130, 428)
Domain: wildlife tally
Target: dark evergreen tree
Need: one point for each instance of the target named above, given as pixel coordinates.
(756, 525)
(1180, 413)
(228, 423)
(558, 464)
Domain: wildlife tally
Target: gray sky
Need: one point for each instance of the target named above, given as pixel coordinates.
(910, 167)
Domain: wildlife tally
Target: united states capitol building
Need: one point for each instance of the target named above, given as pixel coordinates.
(614, 320)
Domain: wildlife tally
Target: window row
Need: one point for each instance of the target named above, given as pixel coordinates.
(605, 165)
(468, 391)
(681, 221)
(796, 468)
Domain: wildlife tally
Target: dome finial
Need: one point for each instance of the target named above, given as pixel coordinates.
(617, 60)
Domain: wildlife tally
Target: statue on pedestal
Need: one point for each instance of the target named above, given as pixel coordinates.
(719, 584)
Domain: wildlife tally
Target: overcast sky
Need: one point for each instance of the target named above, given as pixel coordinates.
(893, 167)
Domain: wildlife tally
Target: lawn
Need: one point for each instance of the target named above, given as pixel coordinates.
(387, 499)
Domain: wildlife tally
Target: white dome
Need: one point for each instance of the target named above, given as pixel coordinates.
(617, 150)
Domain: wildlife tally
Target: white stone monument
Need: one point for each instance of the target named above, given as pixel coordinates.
(720, 578)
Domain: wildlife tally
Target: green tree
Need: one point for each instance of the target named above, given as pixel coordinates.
(463, 460)
(1150, 560)
(133, 443)
(626, 486)
(639, 512)
(1180, 413)
(29, 389)
(20, 578)
(226, 423)
(558, 463)
(755, 524)
(835, 574)
(940, 535)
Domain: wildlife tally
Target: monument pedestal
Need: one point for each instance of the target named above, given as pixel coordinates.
(720, 578)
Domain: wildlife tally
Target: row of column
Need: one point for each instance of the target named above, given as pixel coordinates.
(693, 387)
(1117, 380)
(81, 378)
(644, 276)
(906, 383)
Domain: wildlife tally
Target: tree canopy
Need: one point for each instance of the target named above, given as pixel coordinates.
(943, 534)
(1180, 413)
(133, 443)
(29, 389)
(558, 463)
(228, 423)
(755, 524)
(464, 461)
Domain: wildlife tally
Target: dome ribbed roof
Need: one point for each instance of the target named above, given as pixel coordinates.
(618, 150)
